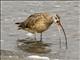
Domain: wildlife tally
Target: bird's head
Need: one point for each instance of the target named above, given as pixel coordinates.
(56, 19)
(58, 23)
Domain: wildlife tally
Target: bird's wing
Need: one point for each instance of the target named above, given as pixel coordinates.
(32, 19)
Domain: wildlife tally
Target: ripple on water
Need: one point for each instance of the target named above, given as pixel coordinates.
(9, 55)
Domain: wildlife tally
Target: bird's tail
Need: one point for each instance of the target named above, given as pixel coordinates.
(21, 25)
(18, 23)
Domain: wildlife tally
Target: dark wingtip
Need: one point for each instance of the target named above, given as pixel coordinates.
(19, 28)
(17, 23)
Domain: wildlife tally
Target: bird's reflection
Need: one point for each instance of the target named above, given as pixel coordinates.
(33, 46)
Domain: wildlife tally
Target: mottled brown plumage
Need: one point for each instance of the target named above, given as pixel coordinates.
(37, 22)
(40, 22)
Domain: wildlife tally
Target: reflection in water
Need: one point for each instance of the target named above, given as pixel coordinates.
(33, 46)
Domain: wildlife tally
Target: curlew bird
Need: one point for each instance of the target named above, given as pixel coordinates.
(40, 22)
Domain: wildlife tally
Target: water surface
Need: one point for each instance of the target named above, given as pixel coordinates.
(16, 11)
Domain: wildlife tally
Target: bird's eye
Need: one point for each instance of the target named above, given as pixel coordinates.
(57, 21)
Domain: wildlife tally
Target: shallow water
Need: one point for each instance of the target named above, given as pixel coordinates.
(16, 11)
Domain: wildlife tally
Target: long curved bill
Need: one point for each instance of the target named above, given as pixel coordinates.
(59, 26)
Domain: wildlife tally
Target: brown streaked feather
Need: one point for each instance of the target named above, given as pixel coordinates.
(37, 22)
(34, 18)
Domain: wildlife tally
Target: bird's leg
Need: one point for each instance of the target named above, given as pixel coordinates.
(35, 36)
(41, 37)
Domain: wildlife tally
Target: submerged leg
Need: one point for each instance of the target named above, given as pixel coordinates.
(41, 37)
(35, 36)
(60, 42)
